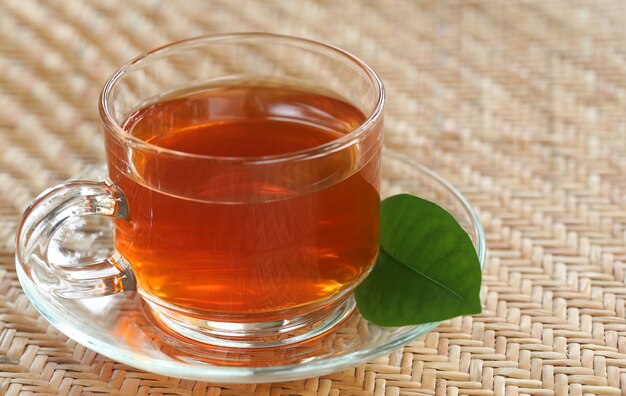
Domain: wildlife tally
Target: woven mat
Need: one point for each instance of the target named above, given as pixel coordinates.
(522, 105)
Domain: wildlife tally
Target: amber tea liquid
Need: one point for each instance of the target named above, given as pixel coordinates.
(227, 240)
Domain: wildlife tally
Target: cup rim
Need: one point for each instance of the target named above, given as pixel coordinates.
(323, 149)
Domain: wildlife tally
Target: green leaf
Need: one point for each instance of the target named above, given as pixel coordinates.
(427, 268)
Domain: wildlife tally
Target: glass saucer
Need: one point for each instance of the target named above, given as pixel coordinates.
(118, 326)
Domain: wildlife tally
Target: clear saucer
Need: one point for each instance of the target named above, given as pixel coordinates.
(120, 328)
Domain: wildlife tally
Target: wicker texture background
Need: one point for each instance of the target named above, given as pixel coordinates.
(521, 104)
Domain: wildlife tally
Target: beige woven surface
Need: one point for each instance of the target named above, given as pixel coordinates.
(521, 104)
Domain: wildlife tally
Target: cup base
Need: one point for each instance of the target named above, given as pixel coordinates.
(251, 335)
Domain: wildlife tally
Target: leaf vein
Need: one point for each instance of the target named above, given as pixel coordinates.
(435, 281)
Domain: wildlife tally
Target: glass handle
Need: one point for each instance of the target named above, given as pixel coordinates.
(46, 214)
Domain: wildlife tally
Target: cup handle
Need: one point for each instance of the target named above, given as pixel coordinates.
(41, 220)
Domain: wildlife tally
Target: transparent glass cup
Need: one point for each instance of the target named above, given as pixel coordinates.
(174, 235)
